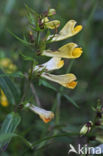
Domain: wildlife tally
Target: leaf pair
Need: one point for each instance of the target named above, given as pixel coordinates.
(8, 128)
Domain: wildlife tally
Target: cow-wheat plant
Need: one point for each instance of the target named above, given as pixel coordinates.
(43, 35)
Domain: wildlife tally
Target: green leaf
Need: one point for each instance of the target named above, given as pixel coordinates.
(9, 136)
(27, 58)
(9, 126)
(71, 100)
(55, 136)
(25, 42)
(15, 74)
(46, 84)
(9, 88)
(5, 137)
(30, 10)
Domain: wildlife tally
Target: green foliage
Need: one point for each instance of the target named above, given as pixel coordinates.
(46, 84)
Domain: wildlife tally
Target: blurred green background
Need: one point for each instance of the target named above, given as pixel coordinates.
(88, 68)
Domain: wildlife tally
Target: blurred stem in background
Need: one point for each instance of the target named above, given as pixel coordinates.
(9, 6)
(59, 95)
(84, 38)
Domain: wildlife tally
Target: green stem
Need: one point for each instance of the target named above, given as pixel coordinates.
(58, 108)
(58, 96)
(29, 76)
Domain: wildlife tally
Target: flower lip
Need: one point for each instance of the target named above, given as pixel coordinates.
(77, 28)
(45, 115)
(77, 52)
(71, 85)
(60, 64)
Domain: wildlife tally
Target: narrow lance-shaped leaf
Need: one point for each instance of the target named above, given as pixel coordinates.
(71, 100)
(46, 84)
(24, 41)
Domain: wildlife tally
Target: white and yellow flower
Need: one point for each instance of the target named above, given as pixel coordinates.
(45, 115)
(67, 31)
(66, 80)
(53, 64)
(69, 50)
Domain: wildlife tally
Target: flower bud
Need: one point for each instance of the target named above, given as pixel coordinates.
(98, 123)
(31, 37)
(51, 12)
(44, 20)
(99, 114)
(52, 24)
(86, 128)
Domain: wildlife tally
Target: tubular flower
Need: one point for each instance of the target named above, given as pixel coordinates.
(52, 64)
(45, 115)
(67, 31)
(66, 80)
(3, 99)
(69, 50)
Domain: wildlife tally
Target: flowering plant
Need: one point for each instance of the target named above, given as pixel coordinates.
(42, 32)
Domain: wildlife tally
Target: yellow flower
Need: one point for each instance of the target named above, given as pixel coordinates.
(69, 50)
(3, 99)
(45, 115)
(52, 64)
(66, 80)
(67, 31)
(7, 65)
(5, 62)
